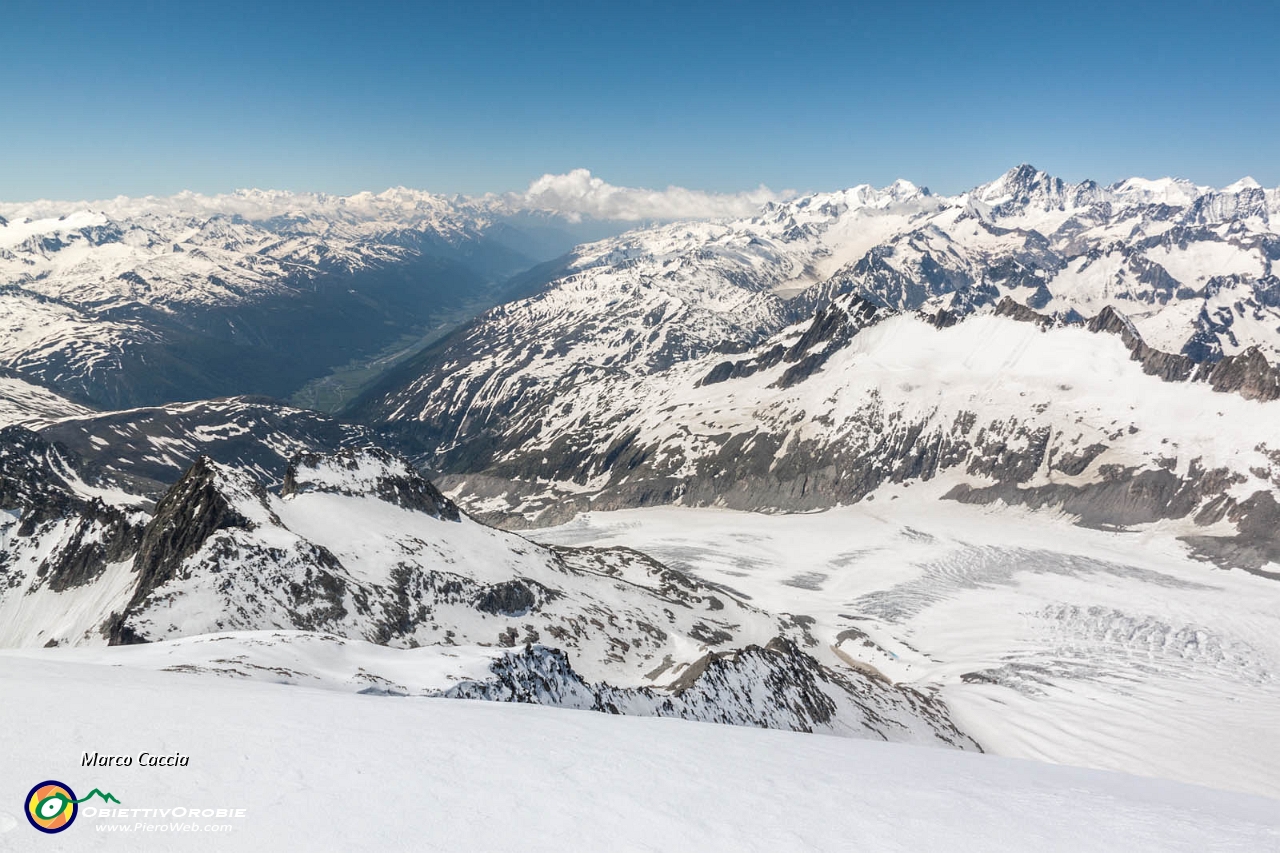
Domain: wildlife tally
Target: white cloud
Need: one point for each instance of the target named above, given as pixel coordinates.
(579, 193)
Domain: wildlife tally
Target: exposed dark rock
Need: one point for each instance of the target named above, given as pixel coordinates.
(1258, 542)
(35, 484)
(719, 373)
(1007, 307)
(103, 535)
(1124, 496)
(372, 471)
(509, 598)
(30, 480)
(1168, 366)
(1073, 464)
(778, 686)
(831, 328)
(1248, 374)
(152, 447)
(184, 519)
(943, 319)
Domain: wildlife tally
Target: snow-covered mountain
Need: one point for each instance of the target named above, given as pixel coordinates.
(1027, 339)
(1191, 266)
(358, 545)
(28, 404)
(1030, 350)
(1113, 649)
(1002, 406)
(143, 301)
(151, 447)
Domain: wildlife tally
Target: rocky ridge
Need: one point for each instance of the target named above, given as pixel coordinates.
(358, 545)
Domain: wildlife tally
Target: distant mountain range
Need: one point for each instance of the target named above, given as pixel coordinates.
(1108, 353)
(1029, 341)
(145, 301)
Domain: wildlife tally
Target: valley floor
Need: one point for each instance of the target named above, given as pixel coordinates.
(321, 770)
(1048, 641)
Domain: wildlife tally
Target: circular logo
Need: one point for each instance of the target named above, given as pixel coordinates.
(51, 806)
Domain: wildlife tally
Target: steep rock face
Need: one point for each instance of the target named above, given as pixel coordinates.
(198, 506)
(1248, 374)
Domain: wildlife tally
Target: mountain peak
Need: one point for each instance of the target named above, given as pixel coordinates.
(1245, 183)
(1023, 184)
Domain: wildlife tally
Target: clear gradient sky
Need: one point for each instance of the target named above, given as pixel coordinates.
(106, 98)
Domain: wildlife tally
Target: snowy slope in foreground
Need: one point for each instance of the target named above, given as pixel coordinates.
(1047, 641)
(323, 771)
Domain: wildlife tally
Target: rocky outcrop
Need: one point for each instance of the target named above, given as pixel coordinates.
(1123, 496)
(1255, 546)
(370, 471)
(777, 686)
(1248, 374)
(75, 532)
(220, 553)
(196, 508)
(1168, 366)
(830, 329)
(1014, 310)
(30, 480)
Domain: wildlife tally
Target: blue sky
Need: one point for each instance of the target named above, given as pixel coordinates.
(136, 98)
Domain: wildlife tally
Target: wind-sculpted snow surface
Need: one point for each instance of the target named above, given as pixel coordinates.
(500, 776)
(358, 545)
